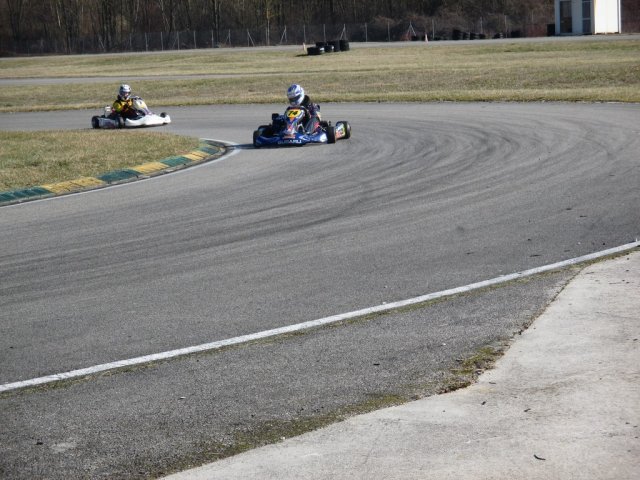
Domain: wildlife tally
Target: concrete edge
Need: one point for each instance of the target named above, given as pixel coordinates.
(207, 151)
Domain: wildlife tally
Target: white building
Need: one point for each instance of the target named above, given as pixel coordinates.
(586, 17)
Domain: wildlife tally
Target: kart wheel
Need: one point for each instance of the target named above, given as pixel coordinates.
(95, 123)
(347, 129)
(163, 114)
(120, 122)
(256, 134)
(331, 134)
(265, 130)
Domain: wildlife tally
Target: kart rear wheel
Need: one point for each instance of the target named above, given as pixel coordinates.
(331, 134)
(265, 130)
(163, 114)
(256, 134)
(95, 123)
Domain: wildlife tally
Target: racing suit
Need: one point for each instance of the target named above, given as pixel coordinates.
(123, 107)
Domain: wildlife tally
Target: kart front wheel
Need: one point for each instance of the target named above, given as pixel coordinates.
(95, 123)
(347, 129)
(256, 134)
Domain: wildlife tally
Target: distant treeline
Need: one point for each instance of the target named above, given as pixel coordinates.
(77, 26)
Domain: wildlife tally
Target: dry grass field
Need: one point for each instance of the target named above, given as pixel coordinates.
(590, 70)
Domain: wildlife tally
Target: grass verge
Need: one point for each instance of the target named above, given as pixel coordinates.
(35, 158)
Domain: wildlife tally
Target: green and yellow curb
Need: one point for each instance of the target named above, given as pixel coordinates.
(208, 150)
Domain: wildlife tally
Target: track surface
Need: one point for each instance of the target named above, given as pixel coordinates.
(422, 198)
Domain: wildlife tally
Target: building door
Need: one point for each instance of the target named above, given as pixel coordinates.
(586, 17)
(566, 19)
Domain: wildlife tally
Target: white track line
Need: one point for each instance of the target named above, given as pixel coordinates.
(310, 324)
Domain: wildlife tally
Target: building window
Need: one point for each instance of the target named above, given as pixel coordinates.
(586, 17)
(566, 21)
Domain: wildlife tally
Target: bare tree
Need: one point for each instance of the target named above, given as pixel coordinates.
(68, 15)
(15, 12)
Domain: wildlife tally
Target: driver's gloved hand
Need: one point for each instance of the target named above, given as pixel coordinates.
(314, 110)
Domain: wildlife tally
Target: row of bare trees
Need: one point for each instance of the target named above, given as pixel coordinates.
(66, 24)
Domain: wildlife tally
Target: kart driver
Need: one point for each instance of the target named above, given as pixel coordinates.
(123, 105)
(297, 98)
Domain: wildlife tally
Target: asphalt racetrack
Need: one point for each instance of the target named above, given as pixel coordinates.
(422, 198)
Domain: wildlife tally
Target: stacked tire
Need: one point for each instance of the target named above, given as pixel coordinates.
(315, 50)
(328, 47)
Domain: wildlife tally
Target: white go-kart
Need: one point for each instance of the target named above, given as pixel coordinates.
(143, 117)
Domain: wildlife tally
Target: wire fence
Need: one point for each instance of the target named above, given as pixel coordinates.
(434, 29)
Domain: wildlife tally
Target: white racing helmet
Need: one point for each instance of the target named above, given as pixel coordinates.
(124, 91)
(295, 94)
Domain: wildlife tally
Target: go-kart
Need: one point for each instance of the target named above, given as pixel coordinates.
(141, 116)
(288, 129)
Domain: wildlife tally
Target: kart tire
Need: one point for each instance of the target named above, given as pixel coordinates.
(120, 122)
(95, 123)
(265, 130)
(163, 114)
(344, 45)
(256, 134)
(331, 134)
(347, 129)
